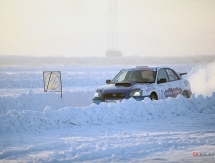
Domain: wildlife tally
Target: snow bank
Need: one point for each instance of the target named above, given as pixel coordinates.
(36, 101)
(106, 113)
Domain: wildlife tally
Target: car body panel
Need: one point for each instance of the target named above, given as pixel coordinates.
(117, 91)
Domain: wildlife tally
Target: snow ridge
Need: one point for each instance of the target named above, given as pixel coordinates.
(37, 101)
(126, 111)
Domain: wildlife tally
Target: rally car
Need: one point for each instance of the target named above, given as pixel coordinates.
(143, 81)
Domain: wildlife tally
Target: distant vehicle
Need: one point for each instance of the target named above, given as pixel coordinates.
(143, 81)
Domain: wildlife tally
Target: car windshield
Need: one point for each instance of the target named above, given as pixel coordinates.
(137, 76)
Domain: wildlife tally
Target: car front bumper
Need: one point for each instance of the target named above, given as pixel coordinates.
(99, 100)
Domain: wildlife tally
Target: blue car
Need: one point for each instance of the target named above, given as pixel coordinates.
(143, 81)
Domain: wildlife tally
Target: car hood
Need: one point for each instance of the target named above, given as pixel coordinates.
(119, 88)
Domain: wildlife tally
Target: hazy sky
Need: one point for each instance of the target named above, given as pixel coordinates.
(80, 27)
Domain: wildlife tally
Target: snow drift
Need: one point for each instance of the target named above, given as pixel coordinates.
(38, 100)
(106, 113)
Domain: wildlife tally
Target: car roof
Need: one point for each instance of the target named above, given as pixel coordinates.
(147, 67)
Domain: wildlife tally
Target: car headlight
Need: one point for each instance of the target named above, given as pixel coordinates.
(135, 93)
(97, 94)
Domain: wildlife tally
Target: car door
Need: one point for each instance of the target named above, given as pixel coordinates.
(175, 83)
(163, 85)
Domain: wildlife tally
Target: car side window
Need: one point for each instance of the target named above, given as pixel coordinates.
(171, 74)
(162, 74)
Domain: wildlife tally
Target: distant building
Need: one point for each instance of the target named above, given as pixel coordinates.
(113, 53)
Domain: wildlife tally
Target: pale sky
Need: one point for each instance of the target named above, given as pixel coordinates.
(80, 27)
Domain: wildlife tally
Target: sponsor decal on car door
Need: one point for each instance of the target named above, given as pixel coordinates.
(164, 85)
(175, 88)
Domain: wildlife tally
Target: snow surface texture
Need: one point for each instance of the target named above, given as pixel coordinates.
(126, 111)
(43, 127)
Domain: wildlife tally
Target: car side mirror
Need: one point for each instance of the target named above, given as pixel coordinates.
(162, 80)
(108, 81)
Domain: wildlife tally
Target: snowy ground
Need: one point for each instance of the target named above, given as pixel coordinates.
(43, 127)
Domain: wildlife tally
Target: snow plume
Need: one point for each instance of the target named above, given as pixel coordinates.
(202, 79)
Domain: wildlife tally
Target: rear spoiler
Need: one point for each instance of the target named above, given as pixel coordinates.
(184, 73)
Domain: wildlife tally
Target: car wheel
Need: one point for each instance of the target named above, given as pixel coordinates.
(153, 97)
(185, 94)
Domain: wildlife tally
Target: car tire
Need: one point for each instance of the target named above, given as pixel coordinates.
(153, 97)
(185, 94)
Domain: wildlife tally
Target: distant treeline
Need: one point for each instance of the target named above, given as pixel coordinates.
(131, 60)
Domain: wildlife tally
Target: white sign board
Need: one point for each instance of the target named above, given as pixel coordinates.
(52, 81)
